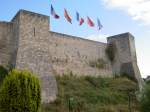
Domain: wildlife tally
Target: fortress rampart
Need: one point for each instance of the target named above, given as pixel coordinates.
(27, 43)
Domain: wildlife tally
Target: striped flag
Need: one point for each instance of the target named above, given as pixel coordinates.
(90, 22)
(68, 18)
(99, 24)
(53, 13)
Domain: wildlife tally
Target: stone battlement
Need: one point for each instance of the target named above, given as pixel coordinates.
(27, 43)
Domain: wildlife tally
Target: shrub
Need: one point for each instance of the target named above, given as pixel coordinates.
(20, 92)
(145, 99)
(3, 73)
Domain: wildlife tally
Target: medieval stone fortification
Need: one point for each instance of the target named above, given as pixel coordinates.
(27, 43)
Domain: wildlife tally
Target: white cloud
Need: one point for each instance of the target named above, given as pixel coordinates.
(98, 37)
(137, 9)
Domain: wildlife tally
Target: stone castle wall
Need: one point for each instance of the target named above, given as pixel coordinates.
(9, 37)
(75, 54)
(30, 45)
(5, 43)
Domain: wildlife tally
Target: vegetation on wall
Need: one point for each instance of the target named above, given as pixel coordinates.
(93, 94)
(110, 52)
(99, 63)
(20, 92)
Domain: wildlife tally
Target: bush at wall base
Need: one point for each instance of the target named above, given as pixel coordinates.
(3, 73)
(20, 92)
(145, 98)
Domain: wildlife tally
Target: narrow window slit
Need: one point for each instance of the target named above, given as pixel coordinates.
(34, 31)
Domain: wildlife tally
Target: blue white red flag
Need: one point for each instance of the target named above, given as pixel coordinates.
(53, 13)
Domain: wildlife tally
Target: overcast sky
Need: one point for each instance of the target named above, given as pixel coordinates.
(117, 16)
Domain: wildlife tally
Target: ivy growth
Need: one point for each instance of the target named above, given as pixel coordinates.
(110, 51)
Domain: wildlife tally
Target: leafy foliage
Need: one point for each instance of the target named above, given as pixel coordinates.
(110, 51)
(145, 99)
(3, 73)
(20, 92)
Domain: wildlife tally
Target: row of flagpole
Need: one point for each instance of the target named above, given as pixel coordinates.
(79, 19)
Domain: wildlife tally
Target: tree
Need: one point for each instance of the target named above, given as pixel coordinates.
(145, 99)
(20, 92)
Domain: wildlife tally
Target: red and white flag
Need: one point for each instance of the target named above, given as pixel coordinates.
(90, 22)
(81, 21)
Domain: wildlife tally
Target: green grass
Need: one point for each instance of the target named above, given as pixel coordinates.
(93, 94)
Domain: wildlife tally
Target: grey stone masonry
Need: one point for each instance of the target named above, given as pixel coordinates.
(125, 56)
(27, 43)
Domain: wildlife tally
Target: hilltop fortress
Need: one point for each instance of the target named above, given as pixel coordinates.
(27, 43)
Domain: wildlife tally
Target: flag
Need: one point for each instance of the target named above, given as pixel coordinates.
(67, 16)
(99, 24)
(53, 13)
(81, 21)
(78, 16)
(52, 10)
(90, 22)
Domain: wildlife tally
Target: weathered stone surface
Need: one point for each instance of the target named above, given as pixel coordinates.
(38, 61)
(27, 43)
(74, 54)
(125, 57)
(33, 52)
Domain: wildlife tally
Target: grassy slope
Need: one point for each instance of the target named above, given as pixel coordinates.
(91, 94)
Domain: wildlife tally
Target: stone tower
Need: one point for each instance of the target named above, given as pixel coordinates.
(125, 56)
(32, 51)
